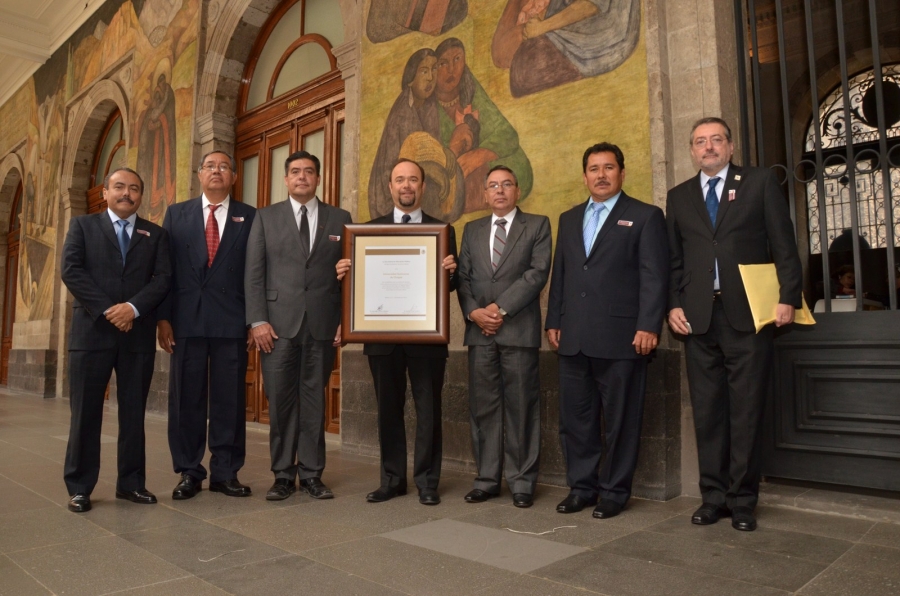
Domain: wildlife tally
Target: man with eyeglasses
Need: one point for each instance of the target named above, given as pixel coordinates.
(202, 325)
(604, 314)
(504, 263)
(724, 216)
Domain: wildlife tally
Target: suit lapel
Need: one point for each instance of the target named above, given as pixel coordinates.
(229, 235)
(611, 219)
(512, 237)
(137, 236)
(321, 220)
(108, 229)
(197, 233)
(698, 201)
(730, 185)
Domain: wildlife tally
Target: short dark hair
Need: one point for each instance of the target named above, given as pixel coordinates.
(603, 148)
(404, 160)
(710, 120)
(123, 169)
(412, 65)
(502, 168)
(301, 155)
(228, 155)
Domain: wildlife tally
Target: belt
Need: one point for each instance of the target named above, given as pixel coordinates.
(717, 295)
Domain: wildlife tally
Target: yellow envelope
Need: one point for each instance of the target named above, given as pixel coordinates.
(763, 293)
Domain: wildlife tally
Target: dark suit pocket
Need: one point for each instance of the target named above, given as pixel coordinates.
(271, 295)
(623, 310)
(684, 281)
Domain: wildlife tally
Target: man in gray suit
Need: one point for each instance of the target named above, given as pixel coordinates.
(504, 263)
(294, 309)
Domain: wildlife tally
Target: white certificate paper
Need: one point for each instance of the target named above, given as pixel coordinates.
(396, 283)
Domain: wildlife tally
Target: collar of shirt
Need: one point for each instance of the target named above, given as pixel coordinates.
(609, 203)
(704, 181)
(132, 219)
(224, 204)
(312, 207)
(509, 217)
(414, 216)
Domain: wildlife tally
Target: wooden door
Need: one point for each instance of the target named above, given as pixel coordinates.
(12, 278)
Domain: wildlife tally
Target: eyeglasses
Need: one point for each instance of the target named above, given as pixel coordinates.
(494, 186)
(211, 167)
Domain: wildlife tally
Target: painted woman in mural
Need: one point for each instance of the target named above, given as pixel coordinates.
(412, 131)
(389, 19)
(472, 126)
(156, 148)
(546, 43)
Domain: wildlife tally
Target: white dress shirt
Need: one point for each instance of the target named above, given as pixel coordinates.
(720, 186)
(129, 229)
(414, 217)
(312, 216)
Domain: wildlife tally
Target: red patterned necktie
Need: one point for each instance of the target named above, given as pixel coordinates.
(212, 234)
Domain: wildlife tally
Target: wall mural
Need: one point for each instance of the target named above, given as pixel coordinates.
(524, 83)
(162, 34)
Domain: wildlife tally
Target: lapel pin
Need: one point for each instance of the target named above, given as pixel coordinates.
(237, 219)
(737, 176)
(732, 193)
(334, 238)
(623, 222)
(144, 232)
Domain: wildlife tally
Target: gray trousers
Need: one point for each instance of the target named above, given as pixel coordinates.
(505, 394)
(295, 374)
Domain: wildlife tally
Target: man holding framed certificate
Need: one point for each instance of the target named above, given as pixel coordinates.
(424, 363)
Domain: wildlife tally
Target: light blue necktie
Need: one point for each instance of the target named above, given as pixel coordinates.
(712, 200)
(590, 229)
(123, 237)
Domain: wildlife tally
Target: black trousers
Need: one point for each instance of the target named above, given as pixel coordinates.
(589, 388)
(426, 377)
(208, 375)
(729, 377)
(89, 374)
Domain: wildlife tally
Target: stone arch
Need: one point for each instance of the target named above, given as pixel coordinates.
(12, 173)
(233, 28)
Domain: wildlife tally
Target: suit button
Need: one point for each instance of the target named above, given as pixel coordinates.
(307, 265)
(493, 280)
(223, 290)
(583, 294)
(715, 243)
(585, 267)
(710, 269)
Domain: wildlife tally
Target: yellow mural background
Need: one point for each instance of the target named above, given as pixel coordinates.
(554, 126)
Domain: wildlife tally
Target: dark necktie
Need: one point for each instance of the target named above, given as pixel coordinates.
(304, 230)
(124, 240)
(405, 219)
(499, 242)
(712, 200)
(212, 235)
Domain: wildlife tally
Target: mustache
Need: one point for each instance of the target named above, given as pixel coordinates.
(125, 200)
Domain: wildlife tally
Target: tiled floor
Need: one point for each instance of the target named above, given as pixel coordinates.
(215, 545)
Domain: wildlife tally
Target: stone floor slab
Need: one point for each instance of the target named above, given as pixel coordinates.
(506, 550)
(192, 586)
(841, 581)
(15, 582)
(883, 534)
(15, 498)
(795, 520)
(44, 527)
(880, 560)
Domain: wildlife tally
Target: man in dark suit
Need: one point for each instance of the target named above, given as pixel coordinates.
(425, 364)
(202, 325)
(504, 263)
(725, 216)
(117, 267)
(606, 307)
(294, 309)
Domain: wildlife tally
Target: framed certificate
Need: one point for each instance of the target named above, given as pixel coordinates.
(396, 291)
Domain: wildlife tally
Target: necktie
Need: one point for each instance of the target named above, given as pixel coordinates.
(590, 229)
(304, 230)
(712, 200)
(499, 242)
(405, 219)
(212, 235)
(124, 240)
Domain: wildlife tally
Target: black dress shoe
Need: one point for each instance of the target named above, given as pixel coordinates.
(523, 500)
(385, 493)
(281, 490)
(315, 488)
(429, 496)
(476, 495)
(141, 496)
(230, 488)
(187, 488)
(606, 509)
(573, 504)
(79, 503)
(742, 519)
(709, 513)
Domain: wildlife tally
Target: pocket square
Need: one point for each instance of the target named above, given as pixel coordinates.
(334, 238)
(237, 219)
(144, 232)
(623, 222)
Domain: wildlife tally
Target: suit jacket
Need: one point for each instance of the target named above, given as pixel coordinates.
(754, 227)
(600, 300)
(92, 270)
(516, 284)
(280, 286)
(206, 301)
(424, 350)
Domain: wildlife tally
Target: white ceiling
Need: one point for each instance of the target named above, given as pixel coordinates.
(30, 31)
